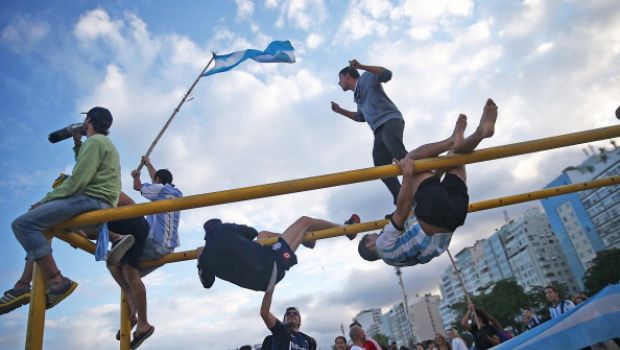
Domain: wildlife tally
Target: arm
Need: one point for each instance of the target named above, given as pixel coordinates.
(465, 319)
(137, 183)
(269, 319)
(77, 143)
(124, 199)
(383, 75)
(149, 166)
(494, 340)
(349, 114)
(88, 160)
(405, 196)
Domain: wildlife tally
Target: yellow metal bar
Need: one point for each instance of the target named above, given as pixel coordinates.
(172, 257)
(125, 322)
(378, 224)
(548, 192)
(330, 180)
(77, 241)
(36, 312)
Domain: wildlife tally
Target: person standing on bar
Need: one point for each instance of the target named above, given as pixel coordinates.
(375, 108)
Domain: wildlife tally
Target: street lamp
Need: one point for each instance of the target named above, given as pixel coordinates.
(408, 319)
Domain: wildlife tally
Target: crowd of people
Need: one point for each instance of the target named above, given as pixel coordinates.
(479, 329)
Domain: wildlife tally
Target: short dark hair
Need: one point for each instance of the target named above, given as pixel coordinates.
(552, 288)
(366, 253)
(340, 337)
(101, 118)
(355, 323)
(164, 175)
(246, 347)
(350, 71)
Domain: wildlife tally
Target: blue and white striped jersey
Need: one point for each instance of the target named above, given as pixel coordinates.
(411, 247)
(163, 226)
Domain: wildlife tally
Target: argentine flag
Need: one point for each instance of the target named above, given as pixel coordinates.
(277, 51)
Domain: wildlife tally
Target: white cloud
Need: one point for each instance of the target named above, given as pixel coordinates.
(545, 47)
(527, 19)
(96, 24)
(271, 3)
(245, 8)
(23, 34)
(303, 14)
(314, 40)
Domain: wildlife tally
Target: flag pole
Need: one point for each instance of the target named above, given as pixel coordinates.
(176, 110)
(458, 274)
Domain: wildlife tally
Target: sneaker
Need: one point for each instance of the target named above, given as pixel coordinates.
(56, 296)
(119, 248)
(354, 219)
(14, 298)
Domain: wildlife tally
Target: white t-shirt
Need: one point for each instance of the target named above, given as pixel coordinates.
(458, 344)
(355, 347)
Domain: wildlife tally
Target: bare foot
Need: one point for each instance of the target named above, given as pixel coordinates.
(459, 131)
(487, 121)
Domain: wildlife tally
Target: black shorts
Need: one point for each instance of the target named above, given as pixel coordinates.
(442, 203)
(283, 256)
(139, 229)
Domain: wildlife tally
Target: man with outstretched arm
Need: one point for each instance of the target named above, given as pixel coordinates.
(286, 334)
(163, 227)
(419, 235)
(375, 108)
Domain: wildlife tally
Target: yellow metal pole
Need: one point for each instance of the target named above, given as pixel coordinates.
(330, 180)
(125, 322)
(378, 224)
(77, 241)
(548, 192)
(36, 311)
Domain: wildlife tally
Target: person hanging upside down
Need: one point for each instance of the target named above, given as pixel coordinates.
(231, 253)
(417, 235)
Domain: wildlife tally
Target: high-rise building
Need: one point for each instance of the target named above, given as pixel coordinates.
(370, 320)
(534, 252)
(480, 265)
(425, 317)
(525, 249)
(400, 325)
(588, 221)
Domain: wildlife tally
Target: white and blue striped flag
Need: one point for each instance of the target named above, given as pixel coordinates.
(277, 51)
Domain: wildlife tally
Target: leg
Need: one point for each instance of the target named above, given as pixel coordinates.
(20, 293)
(117, 274)
(294, 234)
(138, 292)
(29, 228)
(26, 278)
(436, 148)
(381, 156)
(485, 129)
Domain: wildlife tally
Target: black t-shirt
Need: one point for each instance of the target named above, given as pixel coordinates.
(480, 336)
(231, 254)
(285, 339)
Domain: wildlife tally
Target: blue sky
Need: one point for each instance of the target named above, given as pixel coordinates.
(553, 67)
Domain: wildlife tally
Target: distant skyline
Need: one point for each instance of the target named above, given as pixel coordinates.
(553, 67)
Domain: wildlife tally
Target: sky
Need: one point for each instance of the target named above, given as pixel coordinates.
(553, 67)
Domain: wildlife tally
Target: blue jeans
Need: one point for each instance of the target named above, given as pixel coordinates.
(29, 227)
(153, 250)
